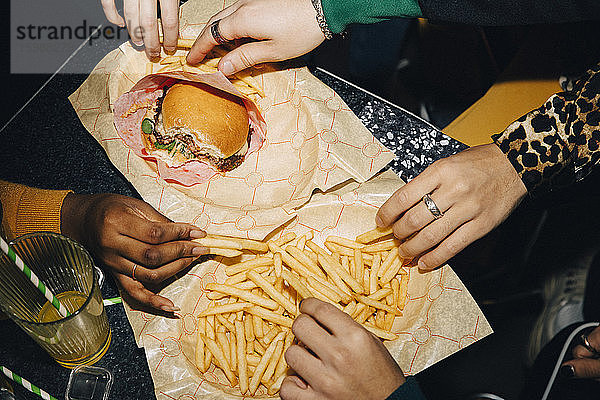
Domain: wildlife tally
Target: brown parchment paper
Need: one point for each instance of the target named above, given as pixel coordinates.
(440, 317)
(312, 141)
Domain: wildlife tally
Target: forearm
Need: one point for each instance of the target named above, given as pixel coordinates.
(558, 143)
(340, 14)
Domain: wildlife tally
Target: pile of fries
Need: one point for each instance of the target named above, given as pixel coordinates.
(243, 80)
(246, 329)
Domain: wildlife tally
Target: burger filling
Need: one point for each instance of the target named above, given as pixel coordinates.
(180, 140)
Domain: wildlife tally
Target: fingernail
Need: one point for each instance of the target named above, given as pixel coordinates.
(422, 266)
(378, 220)
(227, 68)
(198, 251)
(301, 384)
(401, 252)
(167, 308)
(197, 234)
(566, 372)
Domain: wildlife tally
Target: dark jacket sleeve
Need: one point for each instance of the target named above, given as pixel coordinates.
(409, 391)
(510, 12)
(559, 143)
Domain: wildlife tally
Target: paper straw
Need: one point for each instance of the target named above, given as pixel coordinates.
(26, 384)
(62, 310)
(110, 302)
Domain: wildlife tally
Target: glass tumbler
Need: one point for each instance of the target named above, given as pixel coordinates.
(68, 271)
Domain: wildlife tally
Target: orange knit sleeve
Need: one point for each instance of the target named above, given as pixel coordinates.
(26, 209)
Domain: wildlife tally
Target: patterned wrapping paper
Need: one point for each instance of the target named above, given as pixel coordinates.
(439, 319)
(313, 141)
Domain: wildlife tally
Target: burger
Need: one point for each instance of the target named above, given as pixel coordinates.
(194, 121)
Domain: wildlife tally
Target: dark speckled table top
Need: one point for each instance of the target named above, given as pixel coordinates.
(49, 148)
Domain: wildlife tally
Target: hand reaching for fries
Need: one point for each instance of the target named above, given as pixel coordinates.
(142, 23)
(283, 29)
(476, 190)
(141, 246)
(249, 325)
(338, 358)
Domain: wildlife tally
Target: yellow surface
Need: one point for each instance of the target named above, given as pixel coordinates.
(503, 103)
(526, 83)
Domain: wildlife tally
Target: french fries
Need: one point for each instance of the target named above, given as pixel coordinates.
(246, 244)
(373, 235)
(220, 243)
(247, 330)
(242, 81)
(241, 355)
(242, 294)
(181, 42)
(271, 291)
(225, 309)
(229, 253)
(247, 265)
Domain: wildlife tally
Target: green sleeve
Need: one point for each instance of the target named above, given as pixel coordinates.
(340, 14)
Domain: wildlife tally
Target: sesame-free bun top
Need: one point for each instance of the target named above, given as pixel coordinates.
(218, 119)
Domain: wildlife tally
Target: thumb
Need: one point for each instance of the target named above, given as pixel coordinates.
(585, 367)
(246, 56)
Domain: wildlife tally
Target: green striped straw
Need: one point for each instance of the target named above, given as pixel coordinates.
(62, 310)
(111, 301)
(26, 384)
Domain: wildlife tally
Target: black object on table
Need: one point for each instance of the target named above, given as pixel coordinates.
(46, 146)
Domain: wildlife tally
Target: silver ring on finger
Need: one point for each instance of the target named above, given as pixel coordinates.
(586, 343)
(216, 33)
(432, 207)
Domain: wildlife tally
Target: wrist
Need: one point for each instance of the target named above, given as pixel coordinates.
(321, 21)
(73, 214)
(394, 383)
(521, 186)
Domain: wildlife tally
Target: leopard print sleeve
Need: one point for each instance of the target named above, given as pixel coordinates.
(558, 143)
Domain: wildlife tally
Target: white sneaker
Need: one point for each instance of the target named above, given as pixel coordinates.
(563, 305)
